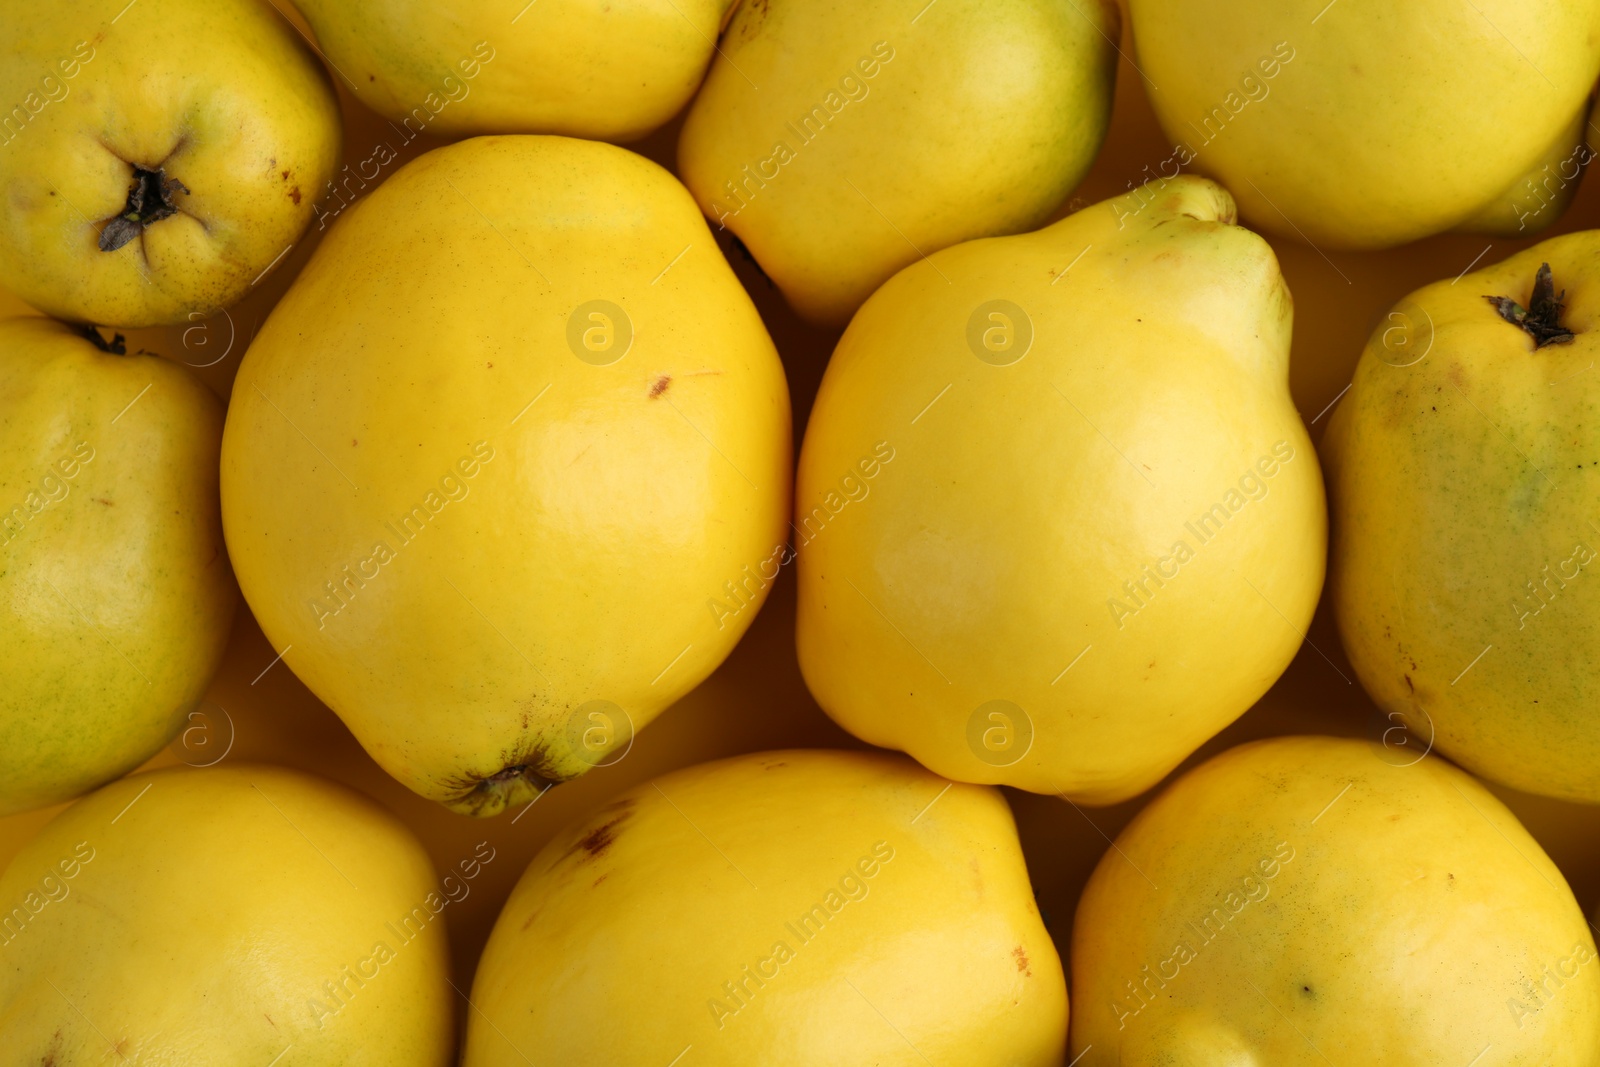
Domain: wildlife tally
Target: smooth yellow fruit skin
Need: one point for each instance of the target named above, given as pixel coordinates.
(116, 598)
(1480, 97)
(1463, 482)
(987, 559)
(221, 94)
(615, 946)
(604, 69)
(973, 118)
(224, 916)
(1309, 900)
(1537, 199)
(584, 558)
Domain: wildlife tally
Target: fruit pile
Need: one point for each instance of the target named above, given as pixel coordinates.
(888, 415)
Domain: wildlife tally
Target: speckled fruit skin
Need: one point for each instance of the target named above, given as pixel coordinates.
(222, 95)
(787, 909)
(610, 70)
(224, 916)
(116, 598)
(1464, 475)
(801, 141)
(493, 551)
(1309, 900)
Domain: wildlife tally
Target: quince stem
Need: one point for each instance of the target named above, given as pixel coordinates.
(1542, 317)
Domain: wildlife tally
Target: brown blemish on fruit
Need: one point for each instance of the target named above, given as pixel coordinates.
(55, 1046)
(596, 841)
(751, 26)
(294, 194)
(599, 840)
(660, 386)
(1022, 962)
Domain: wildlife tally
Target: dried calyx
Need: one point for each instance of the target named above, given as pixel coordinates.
(510, 785)
(1542, 317)
(117, 346)
(151, 199)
